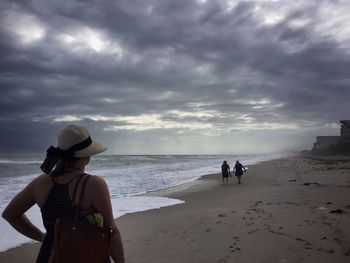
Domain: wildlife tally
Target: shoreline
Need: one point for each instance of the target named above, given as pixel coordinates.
(287, 210)
(157, 193)
(281, 213)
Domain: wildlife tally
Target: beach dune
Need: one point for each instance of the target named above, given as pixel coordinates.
(286, 210)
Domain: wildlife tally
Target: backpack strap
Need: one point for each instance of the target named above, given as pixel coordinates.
(76, 187)
(83, 189)
(81, 196)
(75, 177)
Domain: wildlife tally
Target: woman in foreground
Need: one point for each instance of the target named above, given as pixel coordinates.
(53, 190)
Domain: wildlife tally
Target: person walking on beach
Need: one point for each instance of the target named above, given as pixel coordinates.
(225, 171)
(53, 190)
(239, 170)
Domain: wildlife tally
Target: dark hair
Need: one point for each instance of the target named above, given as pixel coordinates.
(57, 160)
(61, 165)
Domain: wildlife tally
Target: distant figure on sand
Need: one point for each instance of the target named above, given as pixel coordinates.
(54, 191)
(239, 170)
(225, 171)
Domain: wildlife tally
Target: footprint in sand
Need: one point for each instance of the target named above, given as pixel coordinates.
(234, 247)
(338, 240)
(253, 231)
(257, 210)
(236, 238)
(325, 250)
(337, 211)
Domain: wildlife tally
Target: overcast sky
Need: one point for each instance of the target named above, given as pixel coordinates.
(174, 76)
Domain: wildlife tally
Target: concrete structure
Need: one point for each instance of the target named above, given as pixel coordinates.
(327, 142)
(345, 131)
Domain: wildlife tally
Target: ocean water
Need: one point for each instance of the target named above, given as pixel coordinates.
(128, 177)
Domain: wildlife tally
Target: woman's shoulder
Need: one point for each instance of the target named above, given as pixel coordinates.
(39, 187)
(96, 179)
(97, 189)
(97, 183)
(41, 179)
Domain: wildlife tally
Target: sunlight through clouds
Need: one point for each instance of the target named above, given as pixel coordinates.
(93, 39)
(230, 4)
(139, 69)
(248, 125)
(26, 27)
(181, 121)
(202, 1)
(337, 25)
(66, 118)
(143, 122)
(193, 114)
(271, 19)
(154, 121)
(87, 38)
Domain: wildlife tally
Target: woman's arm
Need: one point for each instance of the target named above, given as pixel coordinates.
(14, 214)
(102, 203)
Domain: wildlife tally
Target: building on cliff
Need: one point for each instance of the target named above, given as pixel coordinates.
(345, 131)
(328, 142)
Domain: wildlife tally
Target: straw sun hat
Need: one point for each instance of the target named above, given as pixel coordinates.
(77, 138)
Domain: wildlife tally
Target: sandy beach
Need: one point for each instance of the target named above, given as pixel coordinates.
(287, 210)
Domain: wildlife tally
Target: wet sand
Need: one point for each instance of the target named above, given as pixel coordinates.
(287, 210)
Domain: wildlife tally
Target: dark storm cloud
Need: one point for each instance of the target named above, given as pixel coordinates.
(187, 62)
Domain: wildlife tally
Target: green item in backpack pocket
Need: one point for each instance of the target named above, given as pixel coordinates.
(91, 218)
